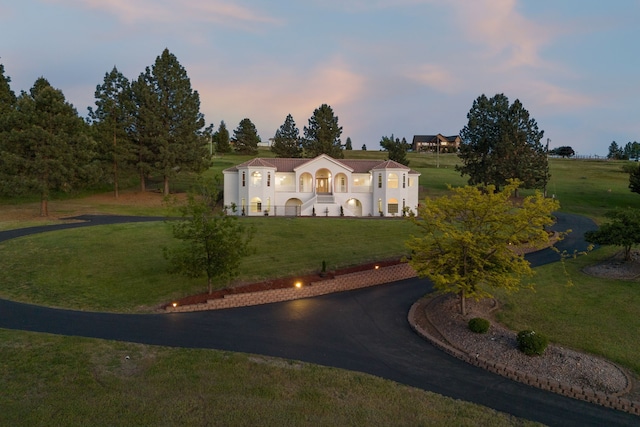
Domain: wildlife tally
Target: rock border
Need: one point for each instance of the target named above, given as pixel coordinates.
(420, 323)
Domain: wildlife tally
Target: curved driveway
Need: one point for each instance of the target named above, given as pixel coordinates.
(364, 330)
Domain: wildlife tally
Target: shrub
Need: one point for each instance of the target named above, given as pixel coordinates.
(479, 325)
(531, 343)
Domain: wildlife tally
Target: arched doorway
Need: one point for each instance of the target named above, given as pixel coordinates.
(323, 181)
(341, 183)
(292, 207)
(354, 206)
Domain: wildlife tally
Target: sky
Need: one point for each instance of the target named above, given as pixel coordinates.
(401, 67)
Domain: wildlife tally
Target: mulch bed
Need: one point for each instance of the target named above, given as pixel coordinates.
(279, 283)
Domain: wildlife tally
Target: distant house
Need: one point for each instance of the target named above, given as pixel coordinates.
(443, 144)
(323, 186)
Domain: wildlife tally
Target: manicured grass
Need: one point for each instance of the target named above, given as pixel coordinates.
(121, 267)
(65, 381)
(596, 315)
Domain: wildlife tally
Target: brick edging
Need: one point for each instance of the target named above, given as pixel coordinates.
(586, 394)
(344, 282)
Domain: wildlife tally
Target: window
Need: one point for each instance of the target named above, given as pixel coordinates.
(392, 180)
(392, 206)
(268, 180)
(379, 180)
(244, 179)
(256, 178)
(404, 181)
(380, 206)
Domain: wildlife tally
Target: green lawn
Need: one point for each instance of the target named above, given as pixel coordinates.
(120, 268)
(71, 381)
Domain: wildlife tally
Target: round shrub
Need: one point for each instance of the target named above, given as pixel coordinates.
(531, 343)
(479, 325)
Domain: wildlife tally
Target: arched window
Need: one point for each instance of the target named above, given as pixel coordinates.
(256, 205)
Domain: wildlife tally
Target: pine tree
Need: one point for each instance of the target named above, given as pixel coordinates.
(48, 147)
(7, 105)
(287, 142)
(112, 120)
(169, 125)
(221, 139)
(348, 145)
(501, 142)
(397, 149)
(323, 134)
(245, 138)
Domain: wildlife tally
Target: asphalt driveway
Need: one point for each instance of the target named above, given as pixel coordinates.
(364, 330)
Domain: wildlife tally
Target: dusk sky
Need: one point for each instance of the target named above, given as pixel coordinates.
(385, 66)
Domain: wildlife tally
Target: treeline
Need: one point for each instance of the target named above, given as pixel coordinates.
(152, 125)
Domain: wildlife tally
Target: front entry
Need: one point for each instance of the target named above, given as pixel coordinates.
(323, 184)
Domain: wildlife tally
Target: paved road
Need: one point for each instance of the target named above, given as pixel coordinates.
(364, 330)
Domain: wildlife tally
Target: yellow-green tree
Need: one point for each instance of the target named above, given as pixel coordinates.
(467, 239)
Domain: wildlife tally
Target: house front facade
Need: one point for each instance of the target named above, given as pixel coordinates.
(322, 186)
(439, 142)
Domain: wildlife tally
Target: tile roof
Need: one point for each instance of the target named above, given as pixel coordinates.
(290, 164)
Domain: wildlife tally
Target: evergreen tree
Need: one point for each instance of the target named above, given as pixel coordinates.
(112, 120)
(397, 149)
(348, 145)
(287, 142)
(7, 96)
(221, 139)
(501, 142)
(364, 147)
(47, 147)
(615, 152)
(245, 138)
(169, 125)
(632, 150)
(323, 134)
(7, 104)
(634, 179)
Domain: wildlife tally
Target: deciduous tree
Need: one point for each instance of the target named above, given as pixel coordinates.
(564, 151)
(245, 138)
(466, 239)
(213, 242)
(287, 142)
(502, 142)
(623, 230)
(322, 136)
(169, 125)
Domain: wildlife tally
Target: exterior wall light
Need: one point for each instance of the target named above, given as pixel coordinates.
(175, 304)
(298, 284)
(376, 267)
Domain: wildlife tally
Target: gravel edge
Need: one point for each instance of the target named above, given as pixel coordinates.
(442, 334)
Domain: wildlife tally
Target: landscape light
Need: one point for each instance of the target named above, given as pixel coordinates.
(175, 304)
(298, 284)
(377, 266)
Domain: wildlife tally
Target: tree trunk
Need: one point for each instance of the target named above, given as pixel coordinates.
(44, 207)
(463, 303)
(166, 185)
(142, 184)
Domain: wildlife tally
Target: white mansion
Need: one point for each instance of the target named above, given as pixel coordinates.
(322, 186)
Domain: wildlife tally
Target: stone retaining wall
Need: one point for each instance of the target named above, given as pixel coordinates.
(599, 398)
(345, 282)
